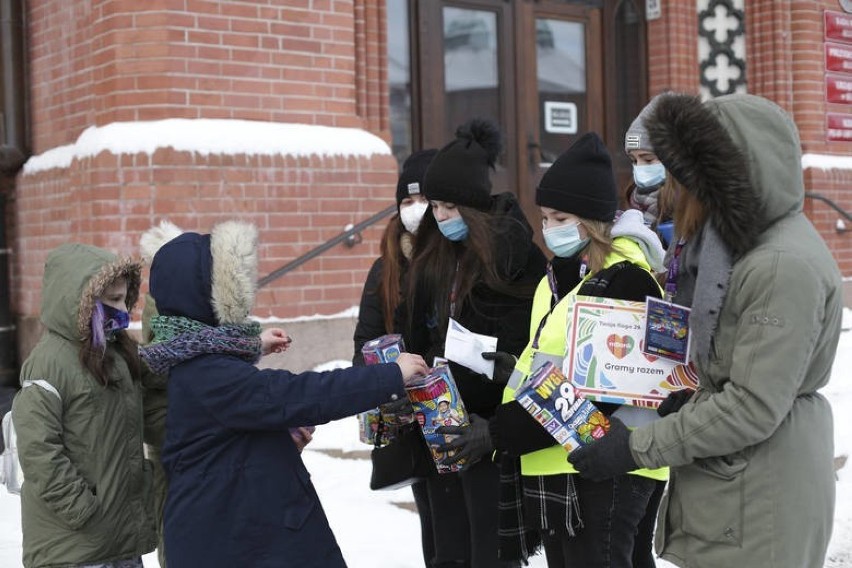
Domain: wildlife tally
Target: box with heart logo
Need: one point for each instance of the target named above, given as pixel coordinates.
(605, 359)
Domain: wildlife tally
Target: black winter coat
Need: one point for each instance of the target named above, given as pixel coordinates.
(487, 311)
(371, 321)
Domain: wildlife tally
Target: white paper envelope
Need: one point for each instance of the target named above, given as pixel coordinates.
(466, 348)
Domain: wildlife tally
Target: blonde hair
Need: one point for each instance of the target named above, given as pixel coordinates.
(600, 242)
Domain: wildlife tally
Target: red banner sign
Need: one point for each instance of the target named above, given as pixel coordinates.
(838, 89)
(838, 127)
(838, 57)
(838, 26)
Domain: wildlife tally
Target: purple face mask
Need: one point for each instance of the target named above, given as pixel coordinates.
(106, 322)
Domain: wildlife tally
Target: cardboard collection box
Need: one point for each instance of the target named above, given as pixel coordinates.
(384, 349)
(552, 400)
(607, 361)
(436, 402)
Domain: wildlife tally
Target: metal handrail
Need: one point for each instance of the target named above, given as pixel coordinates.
(354, 230)
(315, 252)
(829, 202)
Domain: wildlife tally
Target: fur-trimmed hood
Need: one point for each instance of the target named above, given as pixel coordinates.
(74, 276)
(209, 278)
(739, 155)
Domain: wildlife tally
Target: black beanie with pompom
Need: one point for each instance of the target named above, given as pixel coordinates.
(581, 181)
(459, 173)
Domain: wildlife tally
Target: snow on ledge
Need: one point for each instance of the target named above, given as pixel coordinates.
(212, 136)
(826, 162)
(351, 312)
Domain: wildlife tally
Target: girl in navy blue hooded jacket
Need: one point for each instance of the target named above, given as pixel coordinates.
(239, 494)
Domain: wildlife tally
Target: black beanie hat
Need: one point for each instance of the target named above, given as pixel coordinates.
(581, 181)
(411, 177)
(459, 173)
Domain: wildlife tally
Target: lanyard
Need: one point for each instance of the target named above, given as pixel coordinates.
(454, 292)
(671, 275)
(551, 282)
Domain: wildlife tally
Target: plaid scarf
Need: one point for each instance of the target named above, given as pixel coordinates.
(178, 339)
(516, 540)
(551, 503)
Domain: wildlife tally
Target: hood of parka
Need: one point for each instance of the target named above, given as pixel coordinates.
(739, 155)
(74, 276)
(209, 278)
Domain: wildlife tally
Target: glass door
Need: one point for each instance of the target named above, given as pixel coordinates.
(535, 68)
(467, 71)
(562, 94)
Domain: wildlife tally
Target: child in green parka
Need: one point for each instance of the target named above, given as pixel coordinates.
(87, 492)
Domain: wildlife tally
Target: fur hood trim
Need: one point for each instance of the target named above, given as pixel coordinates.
(127, 268)
(233, 246)
(229, 285)
(694, 145)
(155, 237)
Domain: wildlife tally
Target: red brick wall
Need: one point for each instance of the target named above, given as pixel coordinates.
(810, 110)
(131, 60)
(96, 62)
(297, 204)
(673, 49)
(836, 185)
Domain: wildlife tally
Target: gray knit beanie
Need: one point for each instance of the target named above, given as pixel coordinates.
(637, 137)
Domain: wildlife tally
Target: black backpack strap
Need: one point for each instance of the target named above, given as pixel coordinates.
(601, 280)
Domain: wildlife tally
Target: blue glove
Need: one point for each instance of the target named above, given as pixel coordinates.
(471, 443)
(605, 458)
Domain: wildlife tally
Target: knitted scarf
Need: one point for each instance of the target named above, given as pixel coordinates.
(178, 339)
(645, 200)
(702, 283)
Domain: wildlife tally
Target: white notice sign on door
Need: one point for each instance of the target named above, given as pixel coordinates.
(560, 117)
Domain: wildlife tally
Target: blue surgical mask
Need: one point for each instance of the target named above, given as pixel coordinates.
(649, 175)
(454, 228)
(564, 240)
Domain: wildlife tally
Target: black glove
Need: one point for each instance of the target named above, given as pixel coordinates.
(516, 432)
(504, 364)
(606, 458)
(675, 401)
(397, 407)
(471, 442)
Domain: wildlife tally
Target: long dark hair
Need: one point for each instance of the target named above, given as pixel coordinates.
(100, 362)
(438, 262)
(393, 265)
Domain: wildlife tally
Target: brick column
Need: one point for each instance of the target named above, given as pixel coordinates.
(673, 49)
(769, 51)
(95, 63)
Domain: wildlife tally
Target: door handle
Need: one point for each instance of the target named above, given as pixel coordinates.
(537, 155)
(534, 152)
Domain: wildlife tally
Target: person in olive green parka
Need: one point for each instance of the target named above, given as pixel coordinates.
(752, 479)
(87, 492)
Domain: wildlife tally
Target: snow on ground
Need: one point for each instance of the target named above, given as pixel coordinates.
(340, 468)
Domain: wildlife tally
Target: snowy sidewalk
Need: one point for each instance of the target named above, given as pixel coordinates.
(342, 477)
